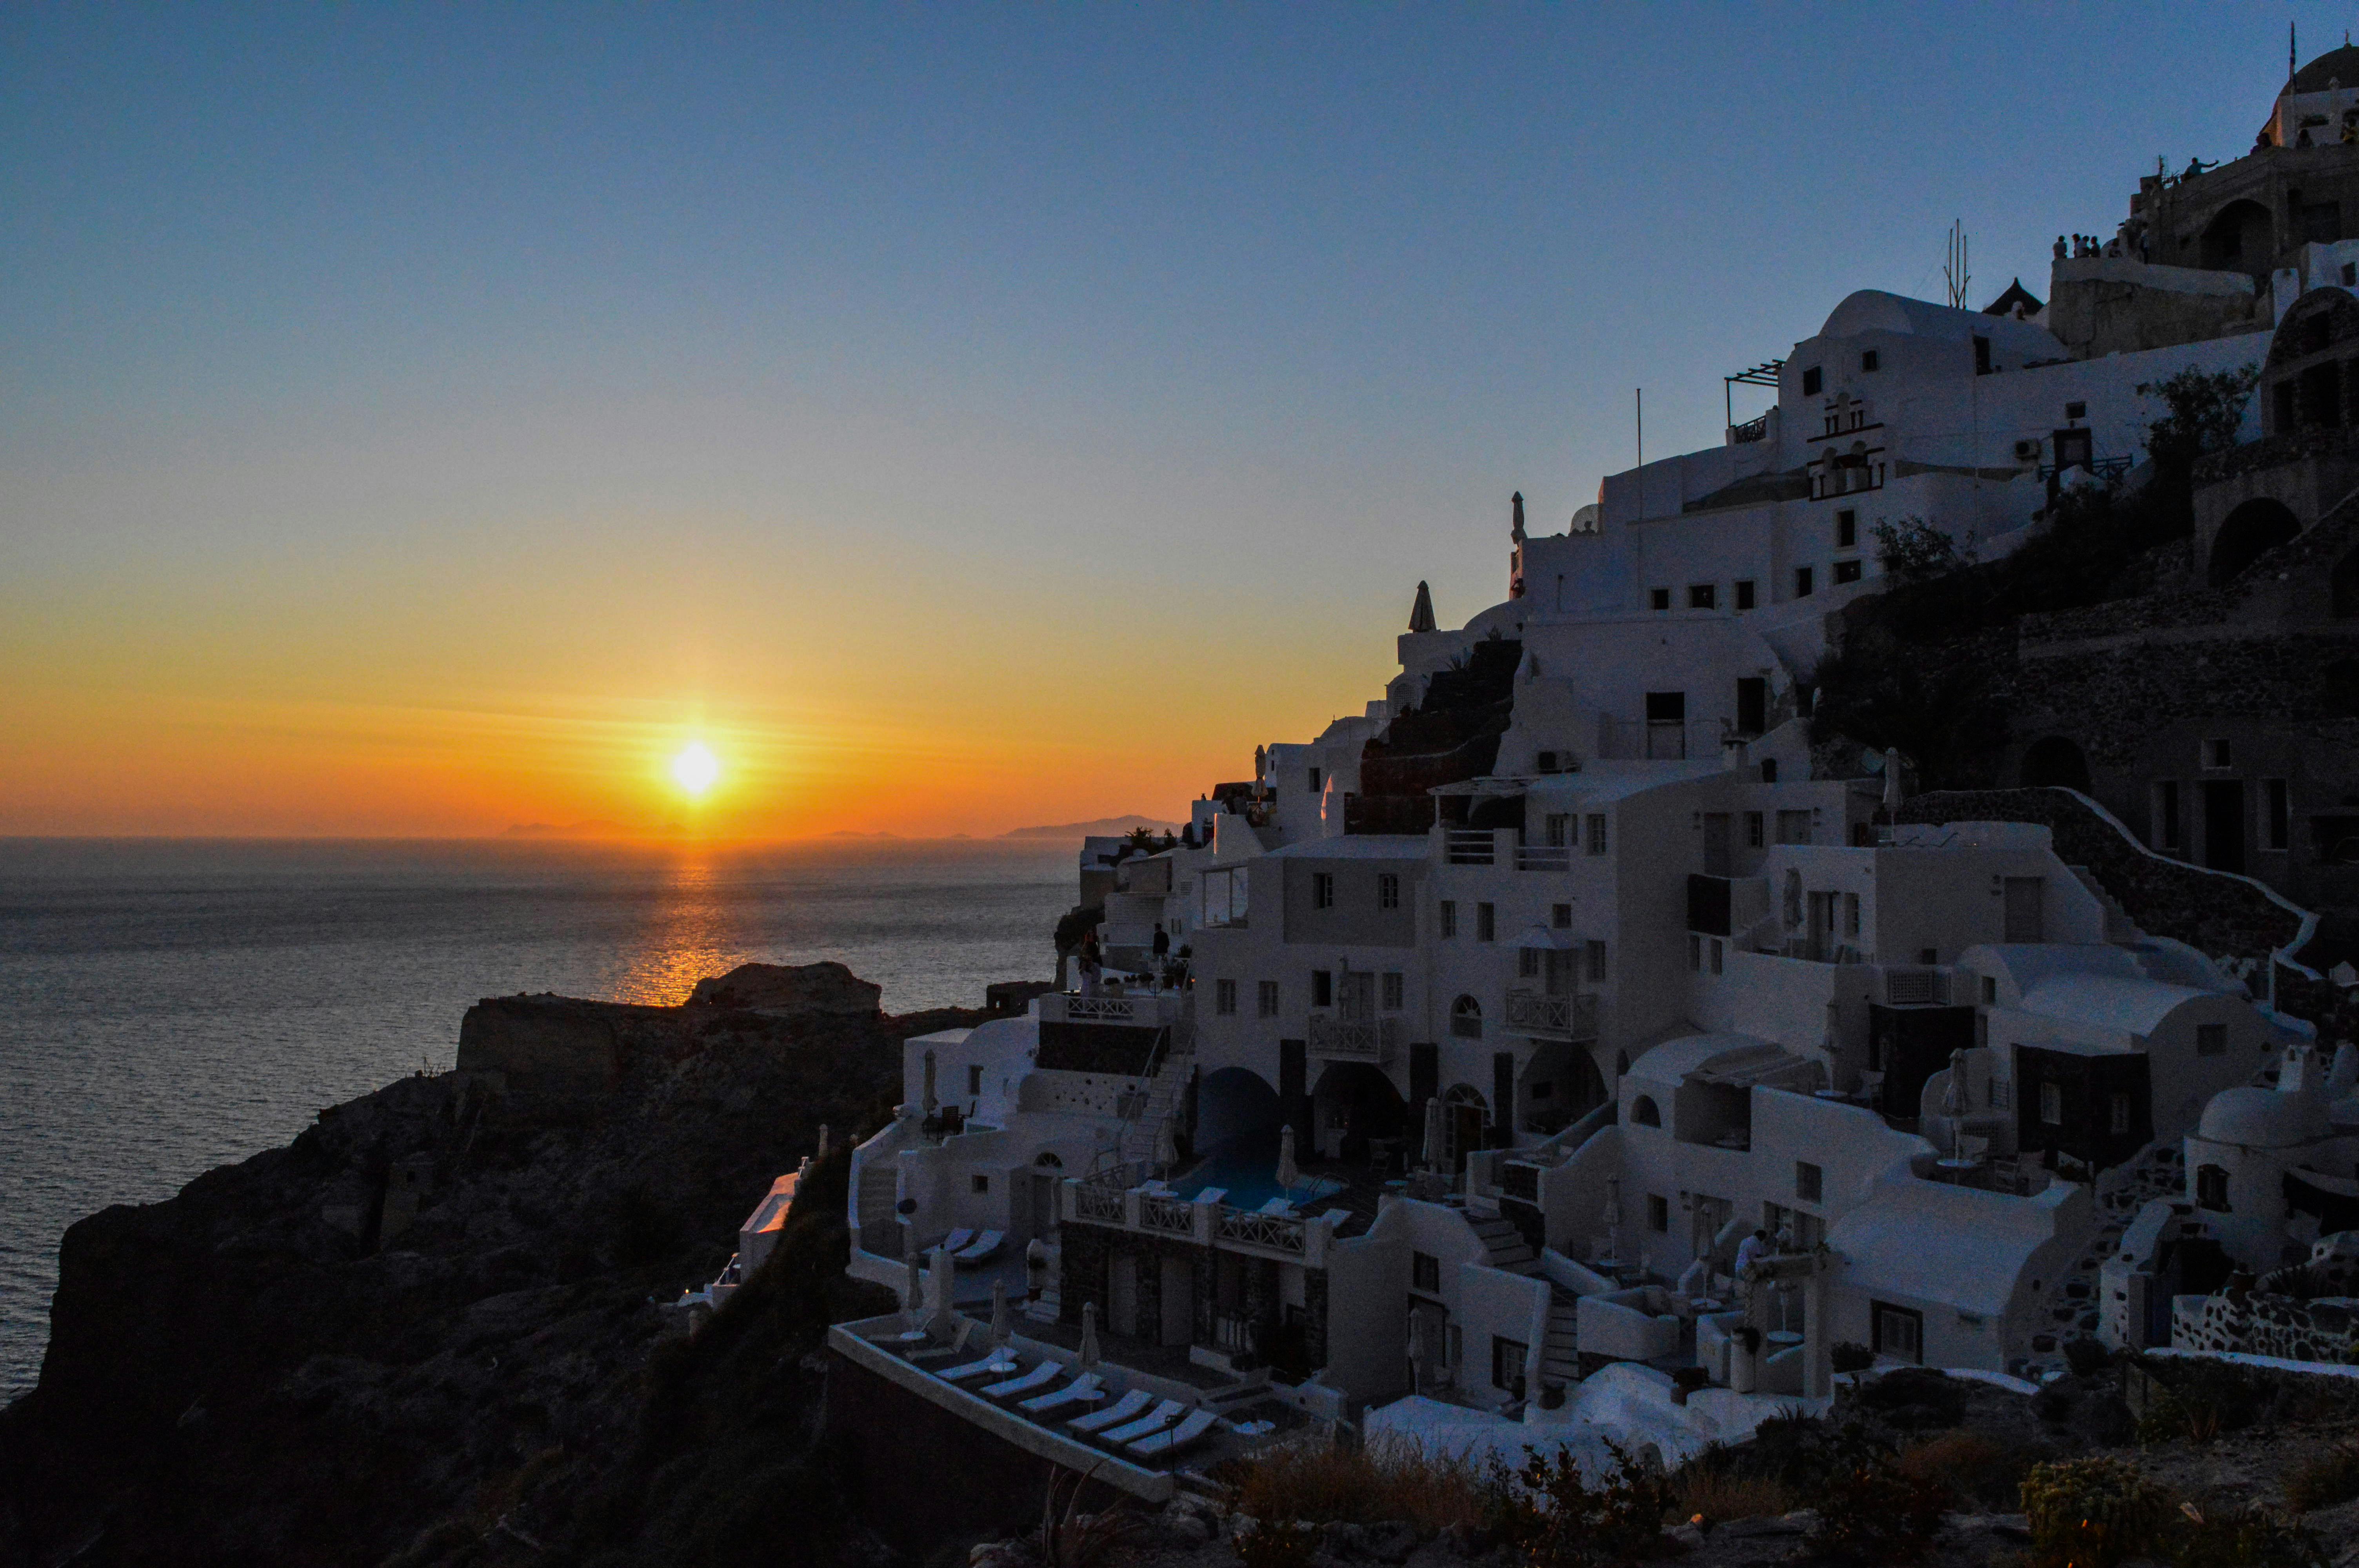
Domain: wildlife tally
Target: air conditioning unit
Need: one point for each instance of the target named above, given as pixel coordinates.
(2026, 450)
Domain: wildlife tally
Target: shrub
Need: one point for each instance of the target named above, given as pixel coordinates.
(1851, 1357)
(1873, 1511)
(1312, 1480)
(1913, 1399)
(2241, 1537)
(1714, 1495)
(1972, 1466)
(2087, 1358)
(1271, 1543)
(2092, 1513)
(1564, 1522)
(1913, 550)
(2324, 1479)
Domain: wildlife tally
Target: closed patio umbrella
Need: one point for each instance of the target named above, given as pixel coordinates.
(913, 1291)
(1089, 1356)
(1433, 1132)
(1893, 794)
(931, 1104)
(1289, 1177)
(1613, 1216)
(1001, 1331)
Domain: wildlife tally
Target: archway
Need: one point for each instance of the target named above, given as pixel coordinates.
(1559, 1086)
(1645, 1112)
(1466, 1018)
(1236, 1106)
(2240, 238)
(2055, 763)
(1464, 1115)
(1353, 1104)
(2258, 525)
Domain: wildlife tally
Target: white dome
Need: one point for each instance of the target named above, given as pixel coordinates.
(2256, 1118)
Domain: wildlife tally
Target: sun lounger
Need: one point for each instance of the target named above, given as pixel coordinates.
(983, 1246)
(1081, 1390)
(1039, 1377)
(995, 1362)
(1276, 1207)
(1122, 1410)
(964, 1236)
(1194, 1425)
(1156, 1420)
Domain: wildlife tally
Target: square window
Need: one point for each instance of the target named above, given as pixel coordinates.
(1745, 593)
(981, 1183)
(1322, 890)
(1314, 780)
(1812, 382)
(1847, 571)
(1703, 596)
(1224, 997)
(1595, 829)
(2210, 1039)
(2218, 754)
(1846, 529)
(1753, 830)
(1486, 922)
(1928, 956)
(1768, 770)
(1594, 958)
(1508, 1357)
(2076, 411)
(1990, 991)
(1322, 987)
(1560, 916)
(2211, 1188)
(1265, 999)
(1802, 582)
(1659, 1213)
(1448, 908)
(1387, 890)
(1527, 963)
(1810, 1181)
(1393, 988)
(2351, 274)
(1425, 1272)
(1867, 359)
(1899, 1332)
(1658, 599)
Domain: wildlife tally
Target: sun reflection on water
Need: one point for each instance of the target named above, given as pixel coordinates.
(688, 939)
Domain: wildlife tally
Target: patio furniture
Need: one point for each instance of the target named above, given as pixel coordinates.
(1192, 1427)
(997, 1361)
(1089, 1386)
(1039, 1377)
(982, 1248)
(1124, 1409)
(1156, 1420)
(955, 1239)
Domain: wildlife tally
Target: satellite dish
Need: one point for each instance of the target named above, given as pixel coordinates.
(905, 1207)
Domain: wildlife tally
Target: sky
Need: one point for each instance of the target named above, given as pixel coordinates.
(422, 420)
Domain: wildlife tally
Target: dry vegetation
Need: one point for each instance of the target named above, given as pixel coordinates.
(1311, 1481)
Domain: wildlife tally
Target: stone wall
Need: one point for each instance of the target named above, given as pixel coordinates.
(555, 1052)
(2261, 1324)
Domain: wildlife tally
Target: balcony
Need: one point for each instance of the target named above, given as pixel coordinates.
(1152, 1009)
(1544, 857)
(1543, 1017)
(1355, 1040)
(1470, 847)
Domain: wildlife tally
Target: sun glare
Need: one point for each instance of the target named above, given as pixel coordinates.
(696, 769)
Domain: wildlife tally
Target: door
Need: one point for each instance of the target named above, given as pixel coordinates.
(1355, 996)
(1558, 825)
(1752, 705)
(1557, 970)
(1823, 926)
(1715, 844)
(1465, 1123)
(1123, 1289)
(2025, 898)
(1179, 1296)
(2223, 825)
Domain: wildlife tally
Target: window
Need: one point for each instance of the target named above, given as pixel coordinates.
(1466, 1018)
(1794, 827)
(1768, 770)
(1486, 922)
(1560, 916)
(1393, 987)
(1850, 914)
(1801, 582)
(1593, 955)
(1449, 912)
(1695, 953)
(1224, 997)
(2279, 804)
(1899, 1332)
(1718, 956)
(2351, 274)
(1928, 956)
(1847, 571)
(2217, 754)
(1982, 356)
(1314, 780)
(1527, 963)
(1659, 1213)
(1754, 827)
(1812, 382)
(1658, 599)
(2211, 1188)
(2051, 1105)
(1990, 991)
(1388, 890)
(2210, 1039)
(2076, 411)
(981, 1183)
(1745, 593)
(1810, 1181)
(974, 1080)
(1559, 826)
(1545, 762)
(1846, 529)
(2118, 1115)
(1322, 989)
(1867, 360)
(2166, 814)
(1322, 890)
(1594, 829)
(1507, 1363)
(1644, 1112)
(1703, 596)
(1425, 1274)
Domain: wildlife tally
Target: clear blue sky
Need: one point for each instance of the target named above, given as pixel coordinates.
(711, 317)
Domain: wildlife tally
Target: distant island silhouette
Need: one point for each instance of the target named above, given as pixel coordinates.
(1103, 824)
(568, 830)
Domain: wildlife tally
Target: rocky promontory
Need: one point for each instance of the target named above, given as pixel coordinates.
(427, 1330)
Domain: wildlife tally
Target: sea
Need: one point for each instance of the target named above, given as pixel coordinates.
(168, 1006)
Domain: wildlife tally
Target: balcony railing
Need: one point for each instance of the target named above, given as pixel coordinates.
(1172, 1216)
(1751, 430)
(1363, 1040)
(1103, 1203)
(1273, 1231)
(1470, 846)
(1154, 1010)
(1552, 1017)
(1544, 857)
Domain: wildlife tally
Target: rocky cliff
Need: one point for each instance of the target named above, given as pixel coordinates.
(427, 1333)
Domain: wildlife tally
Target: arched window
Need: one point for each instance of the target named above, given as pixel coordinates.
(1466, 1018)
(1051, 1159)
(1642, 1111)
(2211, 1188)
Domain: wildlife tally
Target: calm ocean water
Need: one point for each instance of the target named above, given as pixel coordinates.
(166, 1007)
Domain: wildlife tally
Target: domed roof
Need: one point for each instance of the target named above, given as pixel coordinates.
(2340, 65)
(2256, 1118)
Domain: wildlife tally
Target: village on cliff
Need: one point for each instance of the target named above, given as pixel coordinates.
(1594, 1039)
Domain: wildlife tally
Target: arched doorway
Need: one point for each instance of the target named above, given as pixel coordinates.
(1464, 1114)
(1356, 1111)
(1559, 1086)
(2259, 524)
(2055, 763)
(2240, 238)
(1235, 1107)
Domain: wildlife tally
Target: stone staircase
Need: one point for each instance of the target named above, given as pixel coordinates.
(1506, 1245)
(1560, 1355)
(2120, 928)
(880, 1232)
(2070, 1308)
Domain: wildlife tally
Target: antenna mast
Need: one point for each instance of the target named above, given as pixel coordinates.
(1953, 271)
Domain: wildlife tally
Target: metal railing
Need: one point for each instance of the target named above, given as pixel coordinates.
(1755, 429)
(1916, 988)
(1371, 1040)
(1470, 847)
(1273, 1231)
(1558, 1017)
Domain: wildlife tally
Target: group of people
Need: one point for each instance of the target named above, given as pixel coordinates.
(1090, 960)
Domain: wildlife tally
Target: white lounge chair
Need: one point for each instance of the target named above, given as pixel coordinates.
(1122, 1410)
(1039, 1377)
(1277, 1208)
(1156, 1420)
(1081, 1390)
(981, 1248)
(962, 1236)
(1192, 1426)
(995, 1362)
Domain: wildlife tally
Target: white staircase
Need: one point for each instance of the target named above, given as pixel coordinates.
(880, 1228)
(1560, 1355)
(1506, 1245)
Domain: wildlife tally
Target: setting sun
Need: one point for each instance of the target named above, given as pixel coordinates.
(696, 768)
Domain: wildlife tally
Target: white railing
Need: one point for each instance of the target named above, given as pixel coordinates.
(1103, 1203)
(1273, 1231)
(1558, 1017)
(1544, 857)
(1470, 846)
(1370, 1040)
(1172, 1216)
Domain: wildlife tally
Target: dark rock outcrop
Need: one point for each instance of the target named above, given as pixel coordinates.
(427, 1331)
